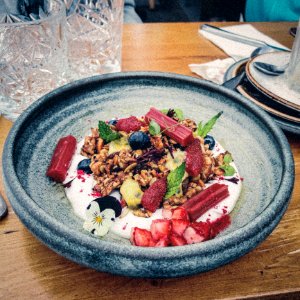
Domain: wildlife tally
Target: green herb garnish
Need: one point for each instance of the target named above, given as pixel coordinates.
(106, 133)
(154, 128)
(178, 113)
(174, 180)
(228, 169)
(204, 130)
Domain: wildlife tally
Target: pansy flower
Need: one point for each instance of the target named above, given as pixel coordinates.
(101, 214)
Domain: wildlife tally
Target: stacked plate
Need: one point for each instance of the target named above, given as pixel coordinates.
(271, 93)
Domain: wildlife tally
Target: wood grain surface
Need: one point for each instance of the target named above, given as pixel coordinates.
(28, 269)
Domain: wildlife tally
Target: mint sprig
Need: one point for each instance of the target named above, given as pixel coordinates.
(154, 128)
(174, 180)
(203, 130)
(106, 133)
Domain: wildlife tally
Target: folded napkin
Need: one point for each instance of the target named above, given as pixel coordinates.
(215, 70)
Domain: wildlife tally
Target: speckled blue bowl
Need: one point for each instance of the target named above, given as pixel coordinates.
(259, 148)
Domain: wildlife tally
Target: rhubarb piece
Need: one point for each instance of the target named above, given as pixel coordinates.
(160, 229)
(129, 124)
(61, 158)
(205, 200)
(141, 237)
(153, 196)
(179, 226)
(194, 158)
(170, 127)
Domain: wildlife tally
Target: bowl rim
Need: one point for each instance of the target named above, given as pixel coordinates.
(89, 242)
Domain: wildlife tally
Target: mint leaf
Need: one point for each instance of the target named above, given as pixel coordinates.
(164, 111)
(154, 128)
(229, 170)
(227, 158)
(174, 180)
(179, 114)
(204, 130)
(106, 133)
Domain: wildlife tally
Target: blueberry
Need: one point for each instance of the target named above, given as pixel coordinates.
(139, 140)
(113, 122)
(210, 141)
(84, 165)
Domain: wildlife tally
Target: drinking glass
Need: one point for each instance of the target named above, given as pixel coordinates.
(94, 29)
(293, 71)
(33, 54)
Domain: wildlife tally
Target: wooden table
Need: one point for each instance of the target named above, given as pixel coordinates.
(29, 269)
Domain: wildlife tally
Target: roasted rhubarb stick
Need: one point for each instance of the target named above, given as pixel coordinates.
(205, 200)
(61, 158)
(170, 127)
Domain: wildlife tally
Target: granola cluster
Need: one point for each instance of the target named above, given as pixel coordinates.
(112, 166)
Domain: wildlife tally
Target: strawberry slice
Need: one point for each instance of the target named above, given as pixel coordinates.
(192, 236)
(205, 200)
(61, 158)
(160, 229)
(194, 158)
(180, 213)
(179, 226)
(162, 243)
(171, 128)
(141, 237)
(153, 196)
(219, 225)
(203, 229)
(177, 240)
(129, 124)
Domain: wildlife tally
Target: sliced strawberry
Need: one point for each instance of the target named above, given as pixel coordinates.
(194, 158)
(180, 213)
(179, 226)
(205, 200)
(177, 240)
(61, 158)
(203, 229)
(219, 225)
(160, 229)
(167, 214)
(141, 237)
(162, 243)
(192, 236)
(171, 128)
(154, 195)
(129, 124)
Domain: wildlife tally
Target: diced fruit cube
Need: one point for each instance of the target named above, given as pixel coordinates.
(194, 158)
(205, 200)
(177, 240)
(129, 124)
(192, 236)
(118, 145)
(160, 229)
(180, 213)
(61, 158)
(141, 237)
(171, 128)
(203, 229)
(162, 243)
(167, 213)
(179, 226)
(131, 192)
(153, 196)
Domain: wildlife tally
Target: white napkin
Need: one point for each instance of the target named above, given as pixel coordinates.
(214, 71)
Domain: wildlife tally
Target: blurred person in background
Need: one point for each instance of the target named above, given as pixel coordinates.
(272, 10)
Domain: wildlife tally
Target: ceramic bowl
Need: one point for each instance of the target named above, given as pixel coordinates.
(260, 150)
